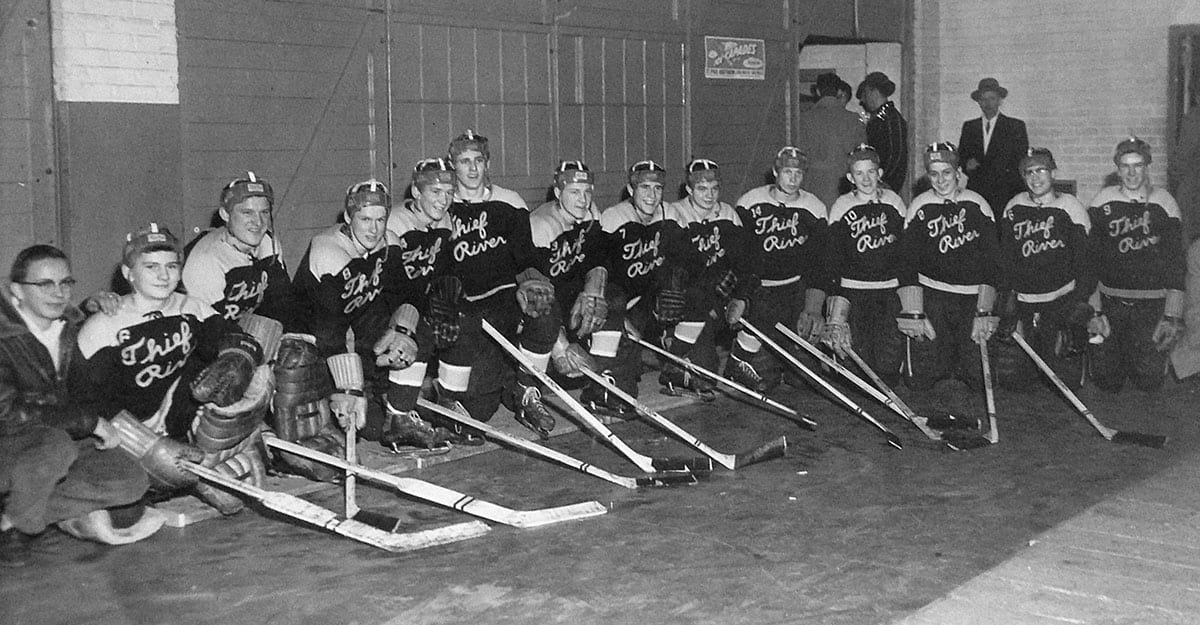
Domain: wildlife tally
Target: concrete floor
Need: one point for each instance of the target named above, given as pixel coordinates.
(844, 530)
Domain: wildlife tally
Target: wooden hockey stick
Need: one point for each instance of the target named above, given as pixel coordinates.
(447, 497)
(883, 394)
(697, 369)
(767, 451)
(643, 462)
(967, 441)
(351, 484)
(308, 512)
(1155, 441)
(672, 478)
(892, 439)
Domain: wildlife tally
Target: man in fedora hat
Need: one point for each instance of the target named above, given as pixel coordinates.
(991, 147)
(887, 130)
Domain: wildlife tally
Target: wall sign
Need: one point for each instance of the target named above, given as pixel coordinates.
(735, 58)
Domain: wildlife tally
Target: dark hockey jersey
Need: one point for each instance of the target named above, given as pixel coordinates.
(567, 248)
(950, 245)
(421, 252)
(715, 240)
(339, 287)
(1044, 247)
(1136, 243)
(787, 238)
(640, 251)
(237, 284)
(865, 248)
(490, 242)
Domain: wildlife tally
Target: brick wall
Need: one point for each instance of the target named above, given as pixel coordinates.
(115, 51)
(1083, 74)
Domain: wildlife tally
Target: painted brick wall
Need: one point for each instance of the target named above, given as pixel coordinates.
(115, 51)
(1083, 74)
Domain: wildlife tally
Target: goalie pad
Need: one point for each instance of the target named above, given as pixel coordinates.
(266, 331)
(218, 428)
(296, 350)
(300, 407)
(445, 310)
(161, 457)
(225, 379)
(243, 462)
(535, 293)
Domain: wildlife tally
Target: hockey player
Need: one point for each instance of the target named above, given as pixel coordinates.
(238, 268)
(644, 244)
(340, 281)
(949, 277)
(865, 230)
(416, 278)
(575, 252)
(146, 360)
(720, 280)
(491, 251)
(1043, 247)
(786, 230)
(1137, 254)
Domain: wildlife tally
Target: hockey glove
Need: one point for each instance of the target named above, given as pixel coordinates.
(296, 351)
(161, 457)
(535, 293)
(348, 404)
(734, 311)
(837, 325)
(670, 301)
(445, 310)
(569, 358)
(1170, 328)
(225, 379)
(811, 323)
(591, 308)
(397, 348)
(986, 322)
(912, 321)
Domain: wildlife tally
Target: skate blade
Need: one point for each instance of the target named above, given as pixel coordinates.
(416, 452)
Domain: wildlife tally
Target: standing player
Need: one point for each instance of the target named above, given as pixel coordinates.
(1138, 257)
(949, 277)
(865, 231)
(1043, 246)
(786, 229)
(721, 276)
(491, 251)
(238, 268)
(645, 244)
(340, 281)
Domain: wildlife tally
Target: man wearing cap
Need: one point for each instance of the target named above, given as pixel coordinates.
(57, 460)
(238, 268)
(786, 229)
(177, 368)
(492, 253)
(886, 128)
(1046, 283)
(644, 265)
(948, 276)
(992, 146)
(865, 230)
(1137, 256)
(826, 133)
(718, 257)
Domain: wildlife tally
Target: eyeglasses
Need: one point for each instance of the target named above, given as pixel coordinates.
(1036, 171)
(50, 286)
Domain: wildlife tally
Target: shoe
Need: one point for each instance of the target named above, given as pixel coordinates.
(743, 373)
(14, 548)
(407, 428)
(532, 413)
(599, 401)
(679, 382)
(458, 435)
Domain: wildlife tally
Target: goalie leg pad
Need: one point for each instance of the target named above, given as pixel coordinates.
(300, 405)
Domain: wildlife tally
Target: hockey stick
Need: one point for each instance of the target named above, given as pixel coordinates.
(672, 478)
(922, 423)
(447, 497)
(697, 369)
(308, 512)
(892, 439)
(1155, 441)
(992, 436)
(773, 449)
(643, 462)
(351, 484)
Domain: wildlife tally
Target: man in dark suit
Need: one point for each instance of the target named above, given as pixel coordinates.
(991, 147)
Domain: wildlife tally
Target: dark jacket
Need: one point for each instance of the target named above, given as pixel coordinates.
(997, 178)
(31, 390)
(888, 133)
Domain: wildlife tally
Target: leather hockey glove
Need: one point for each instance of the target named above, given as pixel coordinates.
(591, 308)
(671, 298)
(837, 325)
(570, 358)
(1170, 328)
(735, 309)
(1010, 321)
(535, 293)
(445, 310)
(912, 321)
(296, 351)
(811, 323)
(225, 379)
(162, 458)
(986, 322)
(348, 404)
(397, 348)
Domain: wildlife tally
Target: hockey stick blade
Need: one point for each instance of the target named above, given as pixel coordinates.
(700, 465)
(1154, 441)
(667, 478)
(966, 442)
(767, 451)
(449, 498)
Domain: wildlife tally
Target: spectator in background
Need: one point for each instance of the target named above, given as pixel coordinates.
(826, 133)
(886, 129)
(1184, 170)
(991, 147)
